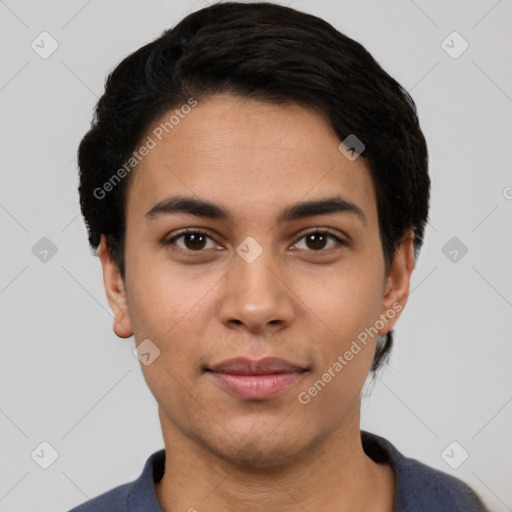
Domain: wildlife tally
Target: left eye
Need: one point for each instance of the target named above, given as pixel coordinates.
(317, 240)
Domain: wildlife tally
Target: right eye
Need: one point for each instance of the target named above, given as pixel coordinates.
(191, 241)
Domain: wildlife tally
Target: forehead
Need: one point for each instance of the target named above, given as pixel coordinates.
(248, 155)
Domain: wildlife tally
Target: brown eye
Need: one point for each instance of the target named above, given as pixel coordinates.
(318, 241)
(193, 241)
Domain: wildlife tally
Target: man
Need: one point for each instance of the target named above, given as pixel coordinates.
(257, 188)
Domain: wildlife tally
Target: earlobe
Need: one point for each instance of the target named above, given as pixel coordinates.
(396, 290)
(122, 325)
(115, 291)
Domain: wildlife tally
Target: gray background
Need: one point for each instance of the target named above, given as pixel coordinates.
(67, 380)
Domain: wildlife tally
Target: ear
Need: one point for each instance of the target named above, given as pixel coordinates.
(396, 289)
(114, 288)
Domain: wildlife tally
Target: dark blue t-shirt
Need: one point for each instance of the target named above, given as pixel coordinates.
(419, 488)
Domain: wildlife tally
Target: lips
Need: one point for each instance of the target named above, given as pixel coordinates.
(266, 366)
(255, 379)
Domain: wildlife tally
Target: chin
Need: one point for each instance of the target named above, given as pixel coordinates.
(260, 452)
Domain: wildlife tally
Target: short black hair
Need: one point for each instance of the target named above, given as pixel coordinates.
(268, 52)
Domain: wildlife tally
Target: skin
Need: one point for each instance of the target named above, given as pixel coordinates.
(304, 302)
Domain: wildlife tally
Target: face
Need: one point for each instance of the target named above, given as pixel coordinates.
(285, 261)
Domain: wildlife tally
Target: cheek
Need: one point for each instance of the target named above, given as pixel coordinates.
(347, 302)
(348, 305)
(163, 296)
(173, 309)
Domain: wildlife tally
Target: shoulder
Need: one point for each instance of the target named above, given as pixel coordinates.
(133, 496)
(420, 487)
(115, 500)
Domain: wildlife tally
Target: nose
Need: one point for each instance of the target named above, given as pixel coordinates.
(255, 297)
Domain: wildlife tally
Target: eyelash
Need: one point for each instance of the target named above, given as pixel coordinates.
(341, 242)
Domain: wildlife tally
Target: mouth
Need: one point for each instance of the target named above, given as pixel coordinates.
(255, 380)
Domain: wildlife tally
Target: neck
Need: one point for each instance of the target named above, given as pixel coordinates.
(334, 475)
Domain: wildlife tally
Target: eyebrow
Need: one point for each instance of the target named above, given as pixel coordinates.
(206, 209)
